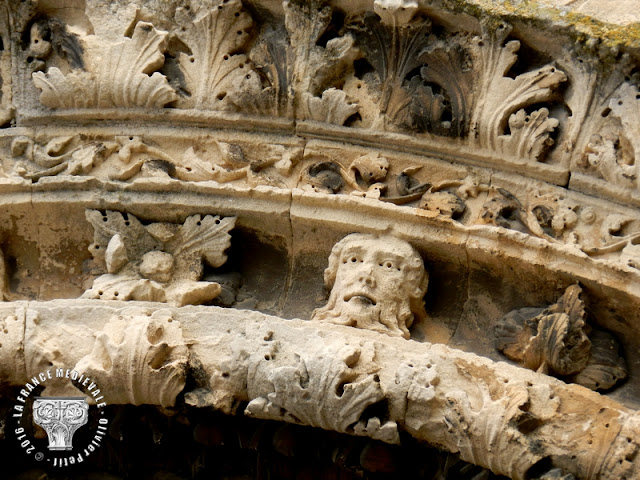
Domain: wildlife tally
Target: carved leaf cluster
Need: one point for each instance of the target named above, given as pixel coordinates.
(501, 100)
(443, 84)
(121, 74)
(444, 112)
(452, 86)
(492, 421)
(393, 53)
(158, 262)
(214, 35)
(558, 341)
(139, 360)
(325, 393)
(298, 75)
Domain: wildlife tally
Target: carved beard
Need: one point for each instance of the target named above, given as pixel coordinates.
(389, 316)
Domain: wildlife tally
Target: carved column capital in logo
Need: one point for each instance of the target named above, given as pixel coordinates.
(60, 417)
(377, 283)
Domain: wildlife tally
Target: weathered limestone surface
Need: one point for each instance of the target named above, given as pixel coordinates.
(383, 218)
(495, 415)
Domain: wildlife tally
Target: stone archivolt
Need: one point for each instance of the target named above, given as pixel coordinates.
(219, 152)
(492, 414)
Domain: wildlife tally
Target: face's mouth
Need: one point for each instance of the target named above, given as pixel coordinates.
(360, 297)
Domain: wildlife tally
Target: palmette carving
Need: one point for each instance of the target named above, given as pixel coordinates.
(214, 34)
(392, 50)
(377, 283)
(160, 262)
(139, 360)
(445, 112)
(121, 74)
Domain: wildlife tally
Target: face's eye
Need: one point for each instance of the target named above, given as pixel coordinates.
(387, 264)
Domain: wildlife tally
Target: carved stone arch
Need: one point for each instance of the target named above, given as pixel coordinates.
(369, 218)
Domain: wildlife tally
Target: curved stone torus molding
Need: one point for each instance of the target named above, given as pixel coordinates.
(511, 420)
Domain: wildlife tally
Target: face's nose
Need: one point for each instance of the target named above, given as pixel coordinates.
(366, 276)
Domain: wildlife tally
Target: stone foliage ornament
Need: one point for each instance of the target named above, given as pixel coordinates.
(558, 341)
(110, 74)
(376, 282)
(498, 140)
(328, 375)
(139, 359)
(160, 262)
(214, 35)
(496, 415)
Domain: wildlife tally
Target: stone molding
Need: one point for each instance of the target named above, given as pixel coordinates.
(493, 414)
(139, 151)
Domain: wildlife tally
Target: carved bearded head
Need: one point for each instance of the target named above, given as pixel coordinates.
(376, 282)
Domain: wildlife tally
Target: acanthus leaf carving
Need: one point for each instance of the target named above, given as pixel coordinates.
(494, 422)
(557, 341)
(393, 53)
(498, 98)
(119, 74)
(139, 360)
(332, 107)
(605, 367)
(298, 77)
(214, 34)
(326, 391)
(448, 69)
(159, 262)
(197, 239)
(60, 156)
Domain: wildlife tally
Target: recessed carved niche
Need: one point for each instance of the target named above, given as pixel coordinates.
(408, 222)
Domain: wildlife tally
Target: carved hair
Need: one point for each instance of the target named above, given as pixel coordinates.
(417, 275)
